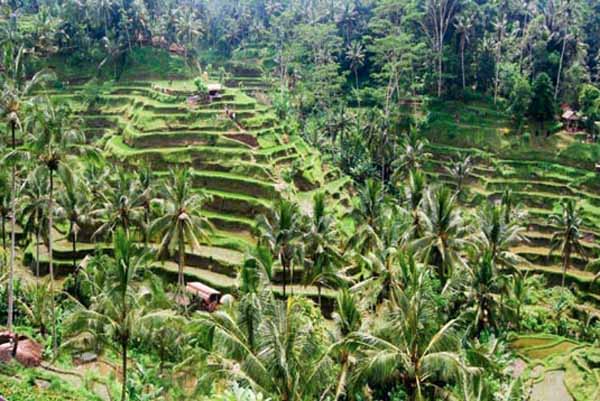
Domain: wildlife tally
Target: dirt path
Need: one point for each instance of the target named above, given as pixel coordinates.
(552, 388)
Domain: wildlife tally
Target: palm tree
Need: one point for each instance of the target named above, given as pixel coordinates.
(282, 234)
(37, 309)
(74, 207)
(413, 193)
(15, 92)
(323, 254)
(463, 26)
(183, 221)
(412, 154)
(569, 14)
(188, 27)
(368, 212)
(496, 236)
(116, 312)
(567, 237)
(118, 206)
(408, 344)
(57, 136)
(145, 186)
(34, 201)
(459, 170)
(482, 291)
(348, 320)
(444, 235)
(288, 363)
(355, 54)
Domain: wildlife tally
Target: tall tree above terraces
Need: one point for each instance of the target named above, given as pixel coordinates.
(568, 19)
(54, 139)
(118, 310)
(437, 18)
(281, 232)
(463, 25)
(34, 202)
(16, 90)
(567, 238)
(183, 221)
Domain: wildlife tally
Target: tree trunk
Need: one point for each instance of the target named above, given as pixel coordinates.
(13, 208)
(566, 262)
(284, 265)
(560, 64)
(50, 263)
(4, 232)
(124, 367)
(181, 260)
(462, 62)
(74, 248)
(319, 292)
(37, 253)
(440, 66)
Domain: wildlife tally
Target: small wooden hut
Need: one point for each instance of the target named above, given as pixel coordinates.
(214, 91)
(208, 298)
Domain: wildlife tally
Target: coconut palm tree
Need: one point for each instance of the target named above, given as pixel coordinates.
(183, 221)
(74, 207)
(34, 203)
(55, 138)
(37, 307)
(188, 28)
(289, 362)
(146, 193)
(411, 155)
(118, 206)
(348, 320)
(323, 254)
(117, 311)
(444, 236)
(567, 238)
(355, 54)
(282, 233)
(483, 289)
(459, 170)
(496, 236)
(408, 344)
(16, 91)
(463, 25)
(368, 212)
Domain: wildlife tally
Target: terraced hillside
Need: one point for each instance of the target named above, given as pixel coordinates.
(244, 163)
(538, 179)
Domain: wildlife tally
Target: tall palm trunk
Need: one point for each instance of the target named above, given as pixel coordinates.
(566, 262)
(560, 65)
(284, 265)
(74, 246)
(13, 213)
(181, 260)
(124, 367)
(462, 61)
(440, 65)
(37, 252)
(50, 262)
(4, 232)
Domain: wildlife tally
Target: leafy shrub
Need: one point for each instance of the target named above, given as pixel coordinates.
(201, 86)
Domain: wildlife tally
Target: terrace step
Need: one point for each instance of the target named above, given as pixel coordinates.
(227, 283)
(541, 256)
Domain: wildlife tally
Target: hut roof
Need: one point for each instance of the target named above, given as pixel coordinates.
(570, 115)
(214, 87)
(203, 291)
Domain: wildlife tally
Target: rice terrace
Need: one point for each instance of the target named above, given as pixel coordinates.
(291, 200)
